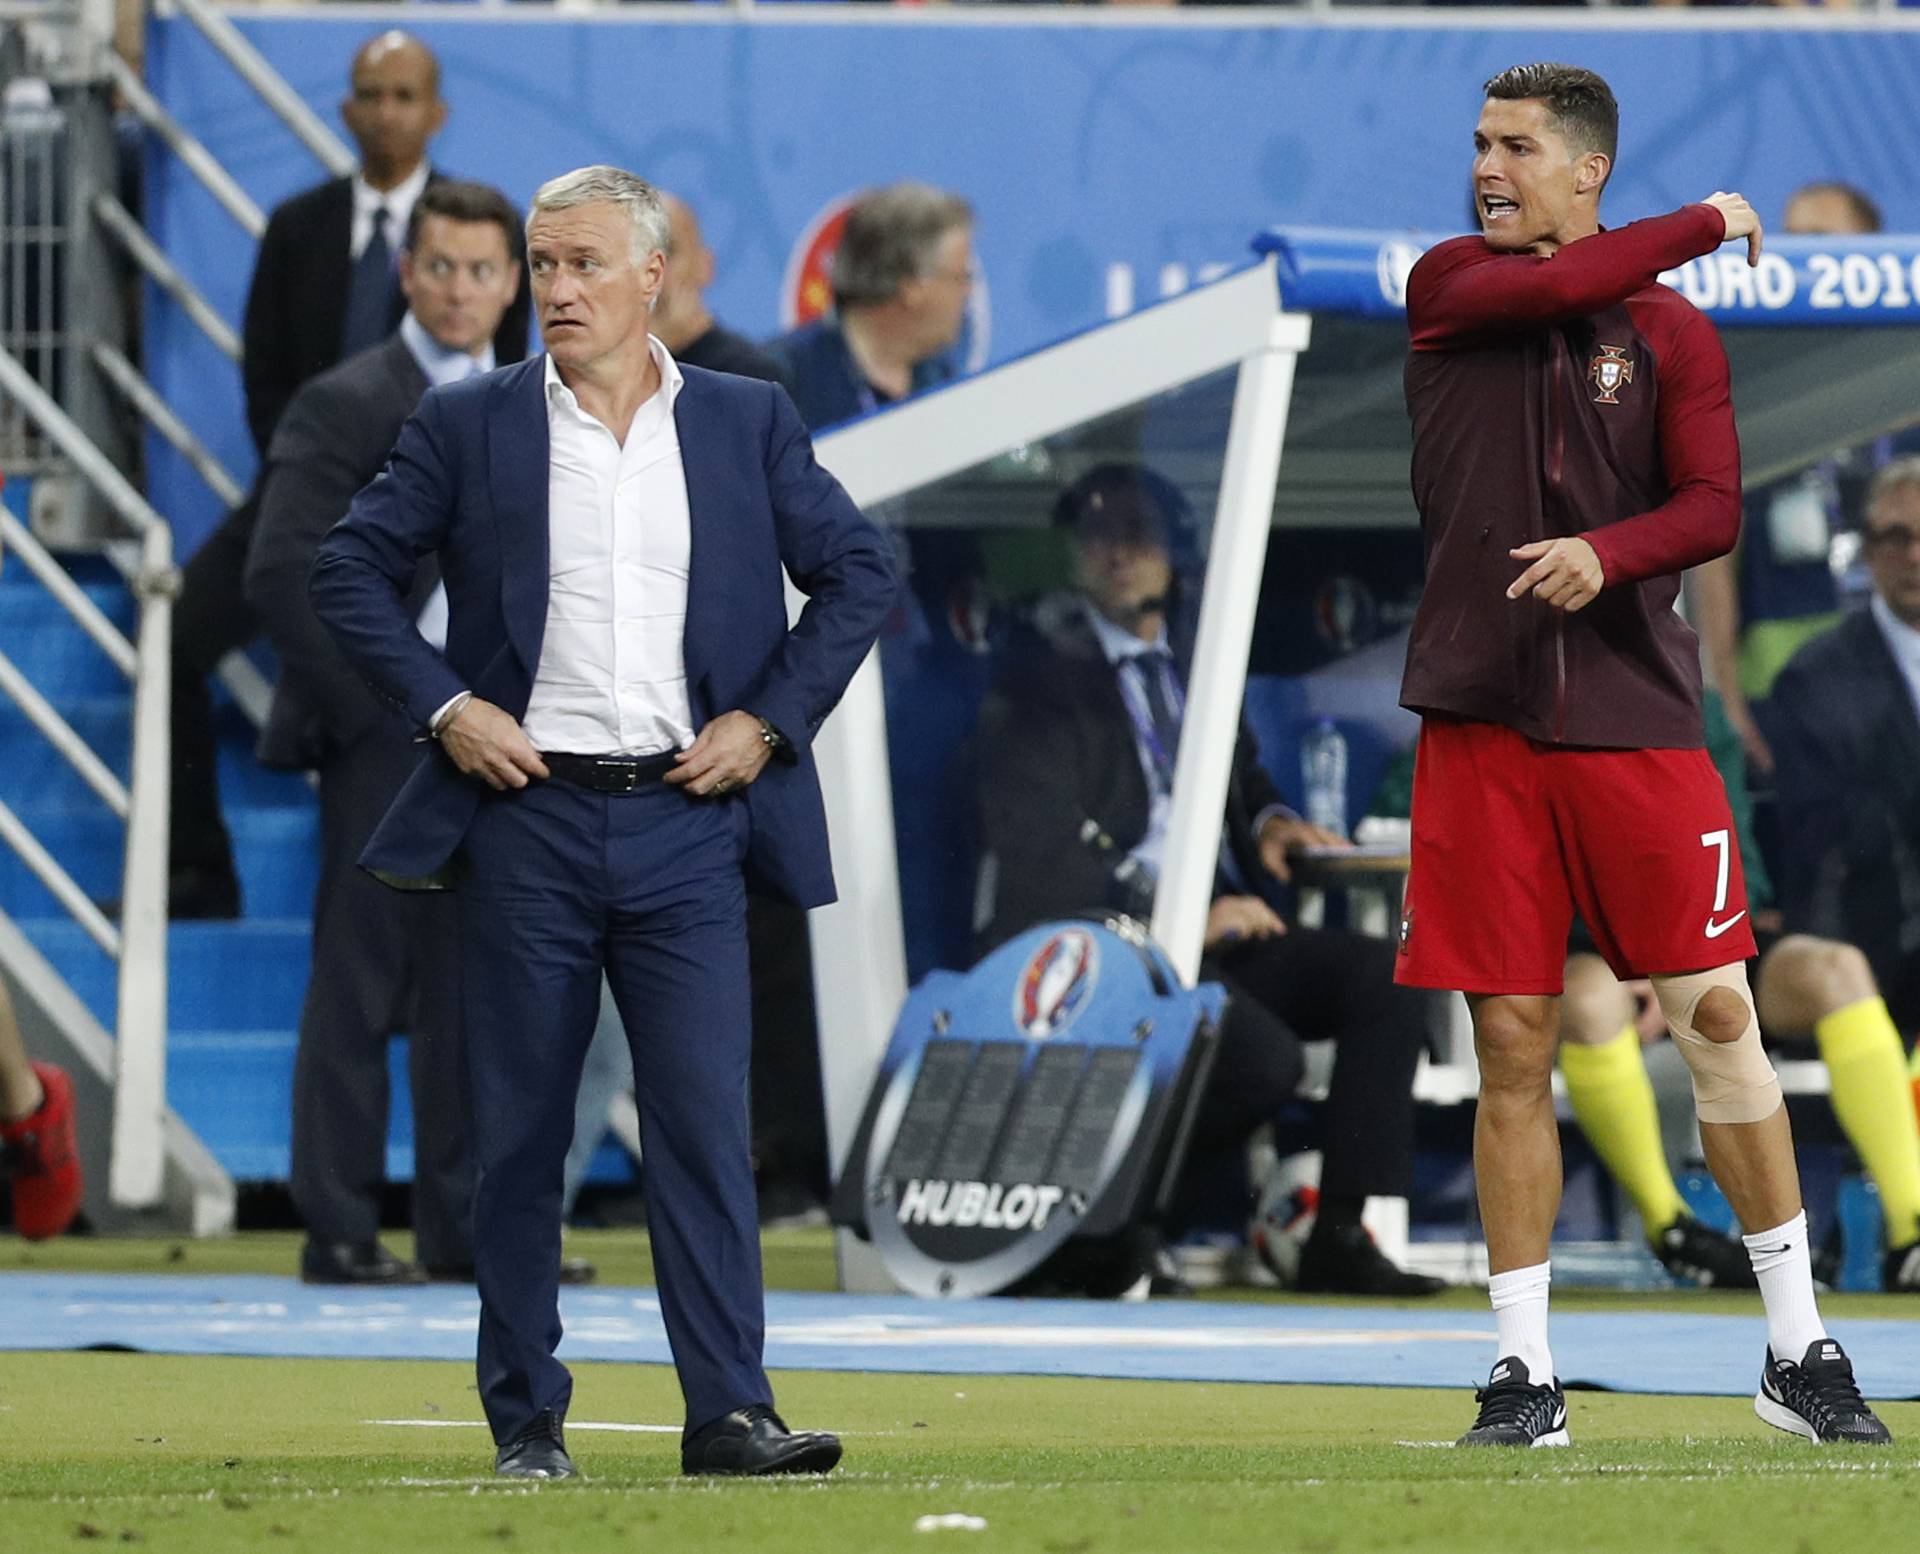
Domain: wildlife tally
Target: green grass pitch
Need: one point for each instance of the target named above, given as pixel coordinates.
(210, 1455)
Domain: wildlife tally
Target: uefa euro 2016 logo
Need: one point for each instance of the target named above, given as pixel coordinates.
(1056, 983)
(1611, 372)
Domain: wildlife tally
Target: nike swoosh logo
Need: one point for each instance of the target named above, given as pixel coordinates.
(1714, 930)
(1772, 1251)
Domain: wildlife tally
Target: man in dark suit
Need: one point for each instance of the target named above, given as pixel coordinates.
(1077, 755)
(324, 287)
(383, 963)
(622, 721)
(1845, 733)
(902, 276)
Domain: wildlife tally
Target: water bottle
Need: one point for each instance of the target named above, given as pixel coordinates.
(1861, 1224)
(1323, 776)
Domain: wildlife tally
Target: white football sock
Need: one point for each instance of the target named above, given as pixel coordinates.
(1785, 1270)
(1520, 1309)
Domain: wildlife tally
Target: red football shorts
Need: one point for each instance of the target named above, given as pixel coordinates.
(1510, 836)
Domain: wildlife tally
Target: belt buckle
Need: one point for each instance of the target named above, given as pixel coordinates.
(619, 776)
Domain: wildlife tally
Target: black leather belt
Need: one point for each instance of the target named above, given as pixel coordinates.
(609, 773)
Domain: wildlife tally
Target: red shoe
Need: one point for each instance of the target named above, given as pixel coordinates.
(43, 1161)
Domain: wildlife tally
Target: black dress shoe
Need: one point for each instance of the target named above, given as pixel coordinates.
(1344, 1261)
(538, 1451)
(355, 1262)
(573, 1270)
(755, 1440)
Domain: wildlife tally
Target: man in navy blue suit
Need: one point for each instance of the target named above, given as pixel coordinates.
(1844, 723)
(621, 723)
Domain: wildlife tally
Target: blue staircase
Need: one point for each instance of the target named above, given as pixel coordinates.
(234, 989)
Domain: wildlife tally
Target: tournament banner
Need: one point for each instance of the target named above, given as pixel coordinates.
(1847, 281)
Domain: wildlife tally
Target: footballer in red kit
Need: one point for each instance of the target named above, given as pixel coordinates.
(1573, 453)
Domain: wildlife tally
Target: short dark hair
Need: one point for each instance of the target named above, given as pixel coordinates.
(1125, 501)
(1579, 102)
(890, 238)
(1129, 499)
(1865, 211)
(455, 199)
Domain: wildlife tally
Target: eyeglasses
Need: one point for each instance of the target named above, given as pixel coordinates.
(1892, 537)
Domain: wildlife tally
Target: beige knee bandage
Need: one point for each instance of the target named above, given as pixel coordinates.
(1733, 1081)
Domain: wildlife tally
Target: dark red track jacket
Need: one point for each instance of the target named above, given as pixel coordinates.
(1556, 396)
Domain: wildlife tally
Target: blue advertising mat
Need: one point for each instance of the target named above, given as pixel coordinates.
(1160, 1340)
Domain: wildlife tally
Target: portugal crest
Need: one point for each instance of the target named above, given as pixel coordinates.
(1611, 371)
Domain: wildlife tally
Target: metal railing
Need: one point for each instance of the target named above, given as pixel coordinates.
(33, 244)
(196, 158)
(137, 1169)
(251, 66)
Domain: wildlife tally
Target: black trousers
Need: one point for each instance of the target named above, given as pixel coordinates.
(210, 619)
(789, 1105)
(384, 962)
(1901, 989)
(1311, 985)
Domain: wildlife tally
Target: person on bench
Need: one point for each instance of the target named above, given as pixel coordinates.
(1077, 752)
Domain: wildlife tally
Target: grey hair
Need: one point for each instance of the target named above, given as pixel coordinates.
(891, 237)
(604, 185)
(1891, 476)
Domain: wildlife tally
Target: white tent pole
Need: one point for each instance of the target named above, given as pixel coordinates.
(1218, 680)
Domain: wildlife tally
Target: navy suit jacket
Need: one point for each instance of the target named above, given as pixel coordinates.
(1846, 747)
(468, 479)
(828, 385)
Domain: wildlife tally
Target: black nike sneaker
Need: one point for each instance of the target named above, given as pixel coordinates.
(1900, 1271)
(1817, 1398)
(1701, 1255)
(1517, 1411)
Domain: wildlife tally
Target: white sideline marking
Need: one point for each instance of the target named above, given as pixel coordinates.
(481, 1424)
(584, 1424)
(887, 1332)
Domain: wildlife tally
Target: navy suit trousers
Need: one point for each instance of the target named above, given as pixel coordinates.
(560, 883)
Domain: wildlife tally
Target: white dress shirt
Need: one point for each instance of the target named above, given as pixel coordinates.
(398, 203)
(1903, 641)
(612, 676)
(1130, 654)
(440, 364)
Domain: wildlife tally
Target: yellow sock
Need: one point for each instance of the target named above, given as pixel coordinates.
(1872, 1098)
(1613, 1103)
